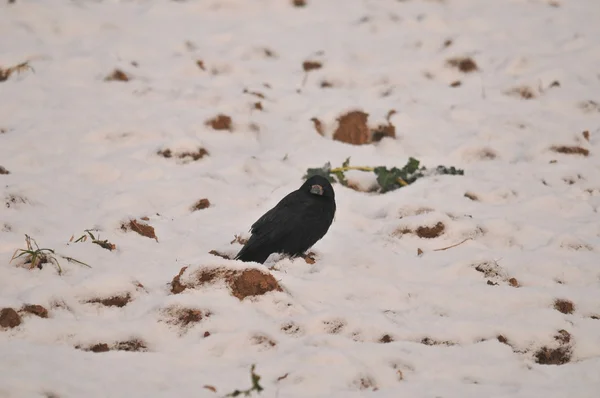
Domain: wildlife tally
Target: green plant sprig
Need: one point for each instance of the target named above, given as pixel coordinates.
(388, 179)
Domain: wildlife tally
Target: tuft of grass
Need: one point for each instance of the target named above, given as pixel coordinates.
(105, 244)
(35, 256)
(255, 379)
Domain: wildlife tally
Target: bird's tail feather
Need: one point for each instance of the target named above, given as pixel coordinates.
(254, 253)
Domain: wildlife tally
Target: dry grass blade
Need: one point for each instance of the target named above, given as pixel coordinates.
(20, 68)
(450, 247)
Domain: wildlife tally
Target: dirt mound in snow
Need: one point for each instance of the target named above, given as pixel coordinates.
(242, 283)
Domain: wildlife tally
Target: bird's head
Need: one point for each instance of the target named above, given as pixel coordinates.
(319, 186)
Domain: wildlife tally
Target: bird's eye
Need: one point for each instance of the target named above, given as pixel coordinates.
(316, 190)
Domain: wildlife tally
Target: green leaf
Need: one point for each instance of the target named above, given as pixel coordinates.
(387, 178)
(412, 166)
(324, 171)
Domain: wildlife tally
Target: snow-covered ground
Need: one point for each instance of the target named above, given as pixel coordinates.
(370, 316)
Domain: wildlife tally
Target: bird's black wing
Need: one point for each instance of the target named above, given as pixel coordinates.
(281, 213)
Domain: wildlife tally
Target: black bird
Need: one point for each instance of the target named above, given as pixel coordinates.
(296, 223)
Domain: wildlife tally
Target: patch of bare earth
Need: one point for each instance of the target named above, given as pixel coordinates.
(113, 301)
(185, 317)
(427, 232)
(386, 338)
(220, 122)
(201, 204)
(34, 309)
(9, 318)
(570, 150)
(241, 283)
(463, 64)
(117, 76)
(558, 355)
(185, 156)
(430, 341)
(353, 128)
(564, 306)
(133, 345)
(139, 227)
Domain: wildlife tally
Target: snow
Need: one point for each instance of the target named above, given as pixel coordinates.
(82, 154)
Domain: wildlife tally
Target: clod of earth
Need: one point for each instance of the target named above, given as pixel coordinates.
(383, 130)
(186, 155)
(318, 126)
(139, 227)
(386, 338)
(3, 171)
(430, 341)
(220, 122)
(299, 3)
(185, 316)
(564, 306)
(553, 356)
(463, 64)
(9, 318)
(35, 310)
(114, 301)
(118, 76)
(311, 65)
(353, 129)
(242, 284)
(556, 356)
(201, 204)
(200, 64)
(129, 345)
(586, 135)
(570, 150)
(431, 232)
(456, 83)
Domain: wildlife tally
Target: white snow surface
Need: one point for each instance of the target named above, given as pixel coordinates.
(82, 153)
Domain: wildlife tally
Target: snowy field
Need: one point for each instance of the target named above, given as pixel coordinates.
(117, 127)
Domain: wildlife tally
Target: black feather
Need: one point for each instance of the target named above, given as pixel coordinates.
(294, 225)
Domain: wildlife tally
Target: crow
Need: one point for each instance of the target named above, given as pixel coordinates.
(296, 223)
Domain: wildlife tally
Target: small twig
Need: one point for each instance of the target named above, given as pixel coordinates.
(450, 247)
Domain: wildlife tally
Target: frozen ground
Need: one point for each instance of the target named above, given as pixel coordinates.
(370, 317)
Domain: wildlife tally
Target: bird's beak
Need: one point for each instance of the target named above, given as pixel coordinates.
(316, 190)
